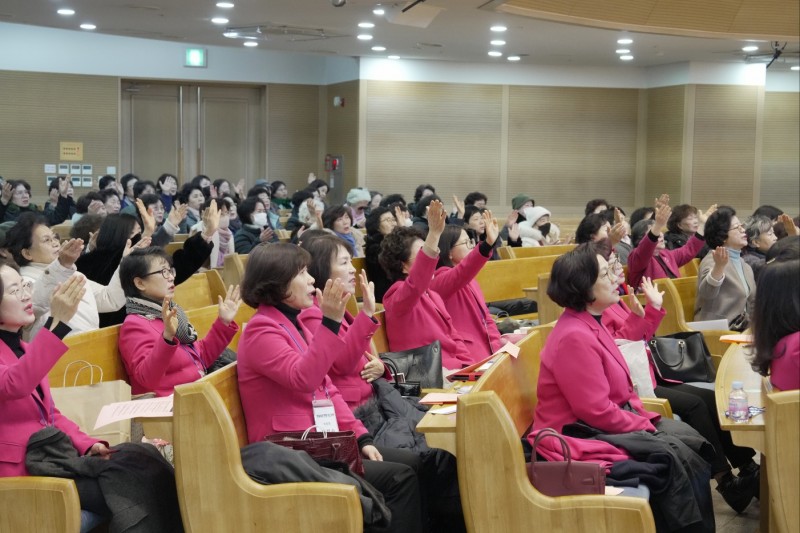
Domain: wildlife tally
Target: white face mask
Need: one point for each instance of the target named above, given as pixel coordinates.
(260, 219)
(224, 222)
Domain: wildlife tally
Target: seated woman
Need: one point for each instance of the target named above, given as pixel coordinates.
(537, 229)
(338, 220)
(416, 314)
(380, 222)
(358, 201)
(167, 188)
(760, 238)
(776, 323)
(28, 408)
(193, 197)
(280, 196)
(650, 258)
(221, 235)
(474, 222)
(16, 200)
(585, 391)
(283, 367)
(725, 283)
(158, 345)
(255, 226)
(682, 224)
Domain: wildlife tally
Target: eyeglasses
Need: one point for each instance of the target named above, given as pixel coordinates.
(25, 287)
(166, 272)
(22, 192)
(469, 243)
(51, 239)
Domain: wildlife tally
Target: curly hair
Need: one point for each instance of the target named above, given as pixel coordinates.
(678, 214)
(396, 251)
(269, 272)
(718, 225)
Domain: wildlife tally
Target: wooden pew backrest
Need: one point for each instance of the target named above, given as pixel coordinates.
(782, 427)
(233, 269)
(541, 251)
(99, 347)
(504, 280)
(200, 290)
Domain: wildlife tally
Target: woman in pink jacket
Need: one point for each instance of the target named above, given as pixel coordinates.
(159, 346)
(415, 314)
(283, 371)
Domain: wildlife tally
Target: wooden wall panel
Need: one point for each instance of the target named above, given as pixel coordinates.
(569, 145)
(293, 133)
(724, 146)
(40, 110)
(780, 159)
(342, 133)
(444, 134)
(665, 122)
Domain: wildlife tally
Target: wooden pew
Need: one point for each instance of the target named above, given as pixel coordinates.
(180, 237)
(690, 269)
(548, 309)
(782, 427)
(200, 290)
(380, 341)
(216, 494)
(505, 252)
(173, 247)
(33, 504)
(62, 230)
(359, 263)
(99, 347)
(505, 280)
(233, 269)
(540, 251)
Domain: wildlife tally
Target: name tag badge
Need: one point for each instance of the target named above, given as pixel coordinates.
(325, 415)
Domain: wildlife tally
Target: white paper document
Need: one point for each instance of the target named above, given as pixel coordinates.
(709, 325)
(150, 408)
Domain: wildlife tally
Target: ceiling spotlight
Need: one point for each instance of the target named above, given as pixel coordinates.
(796, 67)
(393, 57)
(364, 37)
(497, 42)
(624, 41)
(66, 12)
(378, 48)
(225, 5)
(250, 44)
(378, 11)
(749, 48)
(513, 58)
(366, 25)
(626, 58)
(623, 51)
(495, 53)
(498, 29)
(231, 34)
(220, 20)
(87, 26)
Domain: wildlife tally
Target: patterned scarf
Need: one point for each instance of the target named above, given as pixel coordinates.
(151, 310)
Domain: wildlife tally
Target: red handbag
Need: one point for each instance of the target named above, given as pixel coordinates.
(338, 446)
(564, 478)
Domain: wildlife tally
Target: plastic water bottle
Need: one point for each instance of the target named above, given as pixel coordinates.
(738, 408)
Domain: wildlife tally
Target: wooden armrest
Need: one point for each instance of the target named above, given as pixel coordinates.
(658, 405)
(34, 504)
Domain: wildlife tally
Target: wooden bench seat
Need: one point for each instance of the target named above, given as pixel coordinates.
(508, 279)
(540, 251)
(33, 504)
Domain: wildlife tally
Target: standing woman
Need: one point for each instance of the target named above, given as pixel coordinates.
(283, 370)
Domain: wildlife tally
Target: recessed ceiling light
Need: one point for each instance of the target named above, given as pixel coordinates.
(231, 34)
(378, 11)
(225, 5)
(626, 58)
(796, 67)
(749, 48)
(498, 28)
(366, 25)
(497, 42)
(513, 58)
(251, 44)
(220, 20)
(623, 51)
(393, 57)
(66, 12)
(624, 41)
(87, 26)
(495, 53)
(378, 48)
(364, 37)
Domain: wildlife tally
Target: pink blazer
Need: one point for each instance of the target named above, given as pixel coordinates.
(153, 365)
(416, 316)
(280, 374)
(23, 411)
(641, 262)
(345, 372)
(621, 323)
(464, 301)
(784, 372)
(583, 376)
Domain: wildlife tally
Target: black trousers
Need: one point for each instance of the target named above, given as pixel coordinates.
(396, 478)
(698, 408)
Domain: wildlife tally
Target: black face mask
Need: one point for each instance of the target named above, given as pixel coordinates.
(206, 191)
(545, 229)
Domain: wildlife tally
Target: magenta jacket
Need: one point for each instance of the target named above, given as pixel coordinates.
(464, 301)
(621, 323)
(784, 372)
(345, 372)
(583, 376)
(642, 263)
(416, 316)
(153, 365)
(280, 374)
(23, 411)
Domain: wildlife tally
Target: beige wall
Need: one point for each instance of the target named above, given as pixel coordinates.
(341, 134)
(780, 152)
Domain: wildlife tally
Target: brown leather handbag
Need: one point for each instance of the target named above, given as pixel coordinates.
(336, 446)
(564, 478)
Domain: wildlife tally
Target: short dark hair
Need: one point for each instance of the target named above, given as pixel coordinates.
(776, 313)
(373, 222)
(105, 194)
(103, 182)
(641, 213)
(785, 249)
(334, 213)
(396, 250)
(391, 199)
(258, 189)
(323, 251)
(572, 278)
(197, 180)
(421, 189)
(769, 211)
(246, 209)
(421, 207)
(54, 184)
(269, 271)
(137, 265)
(317, 183)
(591, 205)
(83, 202)
(471, 210)
(186, 191)
(275, 185)
(718, 225)
(20, 236)
(217, 183)
(640, 230)
(163, 178)
(448, 239)
(311, 234)
(679, 212)
(140, 186)
(150, 199)
(590, 225)
(115, 231)
(473, 197)
(125, 179)
(84, 226)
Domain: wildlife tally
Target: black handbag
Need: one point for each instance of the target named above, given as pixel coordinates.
(682, 357)
(403, 386)
(423, 364)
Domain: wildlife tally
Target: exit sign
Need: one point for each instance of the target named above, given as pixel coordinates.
(196, 57)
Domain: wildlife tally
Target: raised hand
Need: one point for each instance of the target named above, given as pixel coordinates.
(634, 304)
(7, 194)
(230, 305)
(210, 220)
(788, 224)
(655, 298)
(70, 251)
(513, 232)
(67, 297)
(96, 207)
(617, 232)
(239, 188)
(720, 256)
(178, 213)
(373, 369)
(662, 200)
(63, 186)
(401, 216)
(148, 219)
(512, 218)
(458, 206)
(267, 234)
(436, 219)
(492, 231)
(144, 242)
(169, 315)
(618, 216)
(661, 217)
(333, 300)
(92, 244)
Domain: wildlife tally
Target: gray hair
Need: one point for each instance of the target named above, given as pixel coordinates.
(756, 225)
